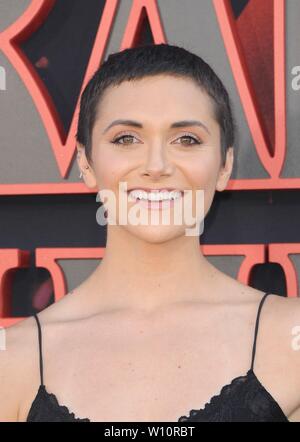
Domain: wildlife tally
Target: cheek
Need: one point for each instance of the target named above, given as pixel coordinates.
(202, 173)
(109, 169)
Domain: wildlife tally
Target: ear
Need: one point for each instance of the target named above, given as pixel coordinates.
(88, 174)
(225, 171)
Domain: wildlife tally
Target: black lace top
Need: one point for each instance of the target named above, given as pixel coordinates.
(244, 399)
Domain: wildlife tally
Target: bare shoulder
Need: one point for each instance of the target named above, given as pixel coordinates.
(14, 360)
(282, 327)
(280, 318)
(283, 315)
(19, 360)
(277, 358)
(69, 308)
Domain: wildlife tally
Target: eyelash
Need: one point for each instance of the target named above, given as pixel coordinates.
(186, 135)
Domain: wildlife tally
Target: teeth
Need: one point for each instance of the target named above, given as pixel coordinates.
(154, 196)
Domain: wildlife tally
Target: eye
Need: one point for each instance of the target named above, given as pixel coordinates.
(127, 136)
(190, 137)
(117, 140)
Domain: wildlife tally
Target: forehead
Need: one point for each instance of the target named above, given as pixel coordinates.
(152, 97)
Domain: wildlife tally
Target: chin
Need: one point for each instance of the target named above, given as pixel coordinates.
(156, 234)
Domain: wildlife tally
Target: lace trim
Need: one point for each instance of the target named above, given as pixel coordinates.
(275, 404)
(214, 399)
(55, 405)
(212, 408)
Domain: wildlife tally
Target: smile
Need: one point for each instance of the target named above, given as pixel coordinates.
(155, 199)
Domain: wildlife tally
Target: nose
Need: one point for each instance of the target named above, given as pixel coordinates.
(157, 163)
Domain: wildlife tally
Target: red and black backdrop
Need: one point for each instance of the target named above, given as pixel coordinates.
(49, 238)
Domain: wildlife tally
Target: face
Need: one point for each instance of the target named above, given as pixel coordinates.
(153, 152)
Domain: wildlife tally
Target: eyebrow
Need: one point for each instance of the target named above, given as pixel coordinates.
(183, 123)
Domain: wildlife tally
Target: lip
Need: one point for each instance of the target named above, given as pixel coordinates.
(156, 205)
(163, 189)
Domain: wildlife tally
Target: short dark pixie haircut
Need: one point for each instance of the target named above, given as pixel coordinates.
(149, 60)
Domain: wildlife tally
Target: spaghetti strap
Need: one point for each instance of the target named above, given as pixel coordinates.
(40, 346)
(256, 328)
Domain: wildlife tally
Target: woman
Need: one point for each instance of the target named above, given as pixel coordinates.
(156, 332)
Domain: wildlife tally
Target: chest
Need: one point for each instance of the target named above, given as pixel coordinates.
(149, 378)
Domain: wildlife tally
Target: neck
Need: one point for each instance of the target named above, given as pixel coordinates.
(138, 275)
